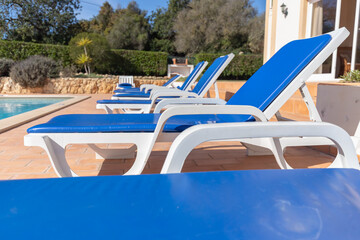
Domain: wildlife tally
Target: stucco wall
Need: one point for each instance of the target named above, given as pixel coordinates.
(340, 104)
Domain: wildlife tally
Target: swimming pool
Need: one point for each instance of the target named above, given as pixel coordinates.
(11, 106)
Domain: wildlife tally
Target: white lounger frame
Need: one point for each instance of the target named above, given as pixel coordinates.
(55, 143)
(159, 93)
(193, 136)
(148, 87)
(125, 79)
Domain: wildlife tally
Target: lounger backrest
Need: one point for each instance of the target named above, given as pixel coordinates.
(171, 80)
(208, 76)
(192, 75)
(280, 70)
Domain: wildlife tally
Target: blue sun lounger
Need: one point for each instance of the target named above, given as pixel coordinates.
(128, 88)
(257, 204)
(145, 89)
(132, 103)
(259, 99)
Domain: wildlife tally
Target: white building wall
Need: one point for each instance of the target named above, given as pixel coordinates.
(287, 28)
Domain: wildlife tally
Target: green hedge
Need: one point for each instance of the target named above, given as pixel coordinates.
(242, 67)
(129, 61)
(22, 50)
(135, 62)
(122, 61)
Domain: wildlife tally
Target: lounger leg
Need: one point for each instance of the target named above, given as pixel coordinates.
(56, 153)
(279, 153)
(143, 153)
(267, 146)
(108, 110)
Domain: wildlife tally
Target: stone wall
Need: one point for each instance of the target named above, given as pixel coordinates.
(75, 85)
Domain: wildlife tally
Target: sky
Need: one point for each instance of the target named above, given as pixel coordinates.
(90, 8)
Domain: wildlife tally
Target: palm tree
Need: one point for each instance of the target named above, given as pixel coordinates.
(84, 59)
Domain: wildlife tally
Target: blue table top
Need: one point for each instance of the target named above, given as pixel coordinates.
(257, 204)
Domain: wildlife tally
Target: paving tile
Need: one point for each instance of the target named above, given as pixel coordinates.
(115, 167)
(26, 169)
(87, 173)
(207, 162)
(288, 106)
(87, 167)
(33, 176)
(4, 176)
(19, 163)
(111, 173)
(203, 168)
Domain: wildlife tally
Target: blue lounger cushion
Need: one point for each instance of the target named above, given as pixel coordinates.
(127, 90)
(125, 85)
(133, 94)
(93, 123)
(255, 204)
(276, 74)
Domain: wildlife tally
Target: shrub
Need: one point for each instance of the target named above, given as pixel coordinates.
(5, 66)
(22, 50)
(33, 71)
(353, 76)
(68, 71)
(242, 67)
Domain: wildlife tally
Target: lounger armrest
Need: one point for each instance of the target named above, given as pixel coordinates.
(145, 86)
(182, 101)
(164, 90)
(193, 136)
(172, 93)
(199, 109)
(158, 88)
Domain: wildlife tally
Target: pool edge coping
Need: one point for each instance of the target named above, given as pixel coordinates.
(20, 119)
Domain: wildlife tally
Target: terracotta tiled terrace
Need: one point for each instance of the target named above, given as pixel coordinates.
(20, 162)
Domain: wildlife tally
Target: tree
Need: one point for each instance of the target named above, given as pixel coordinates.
(256, 34)
(102, 23)
(162, 31)
(213, 25)
(133, 7)
(130, 29)
(105, 15)
(46, 21)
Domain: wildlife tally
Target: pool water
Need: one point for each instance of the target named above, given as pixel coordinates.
(11, 106)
